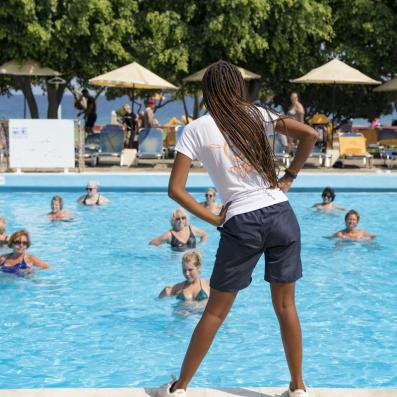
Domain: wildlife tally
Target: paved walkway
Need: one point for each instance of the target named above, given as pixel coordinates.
(196, 392)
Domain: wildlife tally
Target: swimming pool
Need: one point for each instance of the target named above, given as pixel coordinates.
(93, 320)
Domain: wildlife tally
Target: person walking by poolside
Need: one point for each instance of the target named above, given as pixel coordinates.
(193, 288)
(182, 236)
(57, 211)
(87, 104)
(351, 232)
(19, 261)
(210, 201)
(256, 218)
(3, 235)
(92, 197)
(297, 112)
(328, 195)
(149, 120)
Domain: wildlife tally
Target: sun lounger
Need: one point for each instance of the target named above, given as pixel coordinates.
(390, 157)
(387, 136)
(278, 142)
(352, 146)
(111, 144)
(150, 144)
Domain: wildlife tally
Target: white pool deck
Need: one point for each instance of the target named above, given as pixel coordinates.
(196, 392)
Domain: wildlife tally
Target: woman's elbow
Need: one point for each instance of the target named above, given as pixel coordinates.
(173, 192)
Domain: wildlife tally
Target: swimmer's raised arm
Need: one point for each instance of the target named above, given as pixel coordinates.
(38, 262)
(201, 233)
(171, 290)
(163, 238)
(177, 191)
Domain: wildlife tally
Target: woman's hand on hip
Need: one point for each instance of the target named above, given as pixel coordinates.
(220, 218)
(285, 183)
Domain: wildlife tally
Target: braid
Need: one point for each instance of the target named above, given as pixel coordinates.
(240, 122)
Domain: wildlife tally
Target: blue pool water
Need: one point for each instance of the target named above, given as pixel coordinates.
(93, 319)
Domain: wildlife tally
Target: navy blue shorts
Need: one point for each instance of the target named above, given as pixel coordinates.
(273, 231)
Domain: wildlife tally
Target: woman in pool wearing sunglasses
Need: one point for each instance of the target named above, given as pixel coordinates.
(182, 236)
(328, 195)
(93, 197)
(19, 261)
(210, 201)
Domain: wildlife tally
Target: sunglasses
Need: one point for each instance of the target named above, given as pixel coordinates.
(327, 196)
(209, 195)
(90, 189)
(182, 218)
(21, 242)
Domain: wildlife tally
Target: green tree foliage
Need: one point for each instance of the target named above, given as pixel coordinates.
(279, 39)
(364, 36)
(79, 38)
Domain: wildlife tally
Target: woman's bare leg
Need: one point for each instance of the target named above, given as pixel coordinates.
(283, 297)
(218, 306)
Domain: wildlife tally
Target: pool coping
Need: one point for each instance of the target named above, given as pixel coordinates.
(195, 392)
(158, 182)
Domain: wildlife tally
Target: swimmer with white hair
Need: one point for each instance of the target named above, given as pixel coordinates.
(92, 197)
(210, 201)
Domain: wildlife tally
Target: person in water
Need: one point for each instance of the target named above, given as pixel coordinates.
(351, 232)
(57, 211)
(19, 261)
(193, 288)
(93, 197)
(3, 235)
(256, 218)
(182, 236)
(328, 195)
(210, 201)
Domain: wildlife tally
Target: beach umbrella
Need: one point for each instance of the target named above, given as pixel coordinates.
(198, 76)
(133, 76)
(27, 68)
(391, 85)
(335, 72)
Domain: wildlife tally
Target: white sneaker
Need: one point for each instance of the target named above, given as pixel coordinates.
(298, 393)
(165, 391)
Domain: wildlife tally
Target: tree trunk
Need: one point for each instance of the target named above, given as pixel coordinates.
(55, 94)
(23, 83)
(196, 106)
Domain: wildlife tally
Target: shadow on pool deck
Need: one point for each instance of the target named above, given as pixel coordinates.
(195, 392)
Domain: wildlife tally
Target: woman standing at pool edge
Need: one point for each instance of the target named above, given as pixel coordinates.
(231, 143)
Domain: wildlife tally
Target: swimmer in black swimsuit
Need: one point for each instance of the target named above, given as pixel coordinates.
(182, 236)
(93, 197)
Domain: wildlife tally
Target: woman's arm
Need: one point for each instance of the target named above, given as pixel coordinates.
(177, 191)
(38, 262)
(163, 238)
(307, 136)
(171, 290)
(201, 233)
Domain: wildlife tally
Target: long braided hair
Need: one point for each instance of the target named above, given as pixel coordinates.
(240, 122)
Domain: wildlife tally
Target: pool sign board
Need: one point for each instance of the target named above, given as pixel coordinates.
(41, 143)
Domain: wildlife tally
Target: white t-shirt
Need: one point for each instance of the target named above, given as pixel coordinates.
(235, 180)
